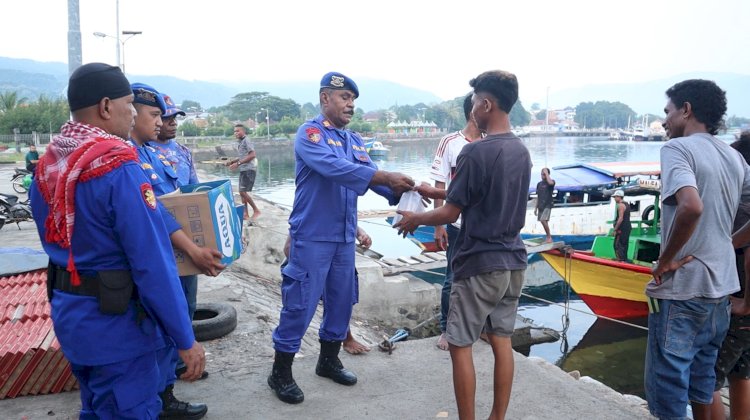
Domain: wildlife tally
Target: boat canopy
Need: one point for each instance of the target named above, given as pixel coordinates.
(596, 176)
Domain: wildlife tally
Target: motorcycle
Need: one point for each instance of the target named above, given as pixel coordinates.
(20, 180)
(14, 211)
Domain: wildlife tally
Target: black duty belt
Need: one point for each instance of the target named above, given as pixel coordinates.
(89, 285)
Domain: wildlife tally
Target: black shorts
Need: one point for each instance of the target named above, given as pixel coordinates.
(734, 356)
(247, 180)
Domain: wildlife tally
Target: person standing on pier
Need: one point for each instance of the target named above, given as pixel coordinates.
(733, 362)
(442, 171)
(622, 226)
(332, 170)
(544, 203)
(98, 219)
(490, 192)
(246, 164)
(703, 182)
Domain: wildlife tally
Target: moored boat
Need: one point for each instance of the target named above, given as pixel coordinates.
(376, 148)
(613, 288)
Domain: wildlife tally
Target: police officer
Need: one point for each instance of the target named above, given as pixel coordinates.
(149, 105)
(112, 279)
(332, 170)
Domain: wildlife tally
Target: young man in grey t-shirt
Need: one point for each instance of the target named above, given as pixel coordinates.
(246, 163)
(703, 182)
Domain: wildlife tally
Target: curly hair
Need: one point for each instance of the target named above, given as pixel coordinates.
(500, 84)
(743, 145)
(707, 100)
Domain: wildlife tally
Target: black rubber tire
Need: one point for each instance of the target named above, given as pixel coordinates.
(18, 184)
(213, 320)
(647, 217)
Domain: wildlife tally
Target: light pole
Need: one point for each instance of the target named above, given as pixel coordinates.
(256, 123)
(546, 116)
(268, 123)
(120, 42)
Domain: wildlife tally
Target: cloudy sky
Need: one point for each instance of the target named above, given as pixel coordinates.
(432, 45)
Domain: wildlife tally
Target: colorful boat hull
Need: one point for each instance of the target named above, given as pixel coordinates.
(609, 288)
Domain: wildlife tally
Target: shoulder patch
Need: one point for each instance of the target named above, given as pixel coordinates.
(313, 134)
(148, 195)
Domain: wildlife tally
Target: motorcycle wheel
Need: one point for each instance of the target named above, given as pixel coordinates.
(18, 186)
(4, 215)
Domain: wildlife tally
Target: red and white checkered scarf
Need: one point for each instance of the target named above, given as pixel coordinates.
(81, 152)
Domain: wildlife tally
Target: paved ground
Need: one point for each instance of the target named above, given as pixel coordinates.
(414, 382)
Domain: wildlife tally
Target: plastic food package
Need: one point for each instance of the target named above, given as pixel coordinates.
(410, 201)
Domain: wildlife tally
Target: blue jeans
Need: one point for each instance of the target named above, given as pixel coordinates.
(190, 287)
(445, 295)
(684, 338)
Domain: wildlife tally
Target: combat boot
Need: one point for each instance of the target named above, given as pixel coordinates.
(172, 408)
(281, 379)
(329, 365)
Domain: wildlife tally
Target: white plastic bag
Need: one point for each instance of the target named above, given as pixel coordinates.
(410, 201)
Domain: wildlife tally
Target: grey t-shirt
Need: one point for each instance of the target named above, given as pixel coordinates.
(722, 179)
(243, 148)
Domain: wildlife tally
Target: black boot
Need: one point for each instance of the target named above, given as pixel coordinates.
(281, 379)
(172, 408)
(329, 365)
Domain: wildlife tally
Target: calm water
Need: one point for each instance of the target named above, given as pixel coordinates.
(608, 352)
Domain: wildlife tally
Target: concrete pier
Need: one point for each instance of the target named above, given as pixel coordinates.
(413, 382)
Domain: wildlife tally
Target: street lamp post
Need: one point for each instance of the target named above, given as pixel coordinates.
(268, 123)
(120, 42)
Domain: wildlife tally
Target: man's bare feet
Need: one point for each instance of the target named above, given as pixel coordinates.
(256, 215)
(442, 342)
(353, 346)
(548, 239)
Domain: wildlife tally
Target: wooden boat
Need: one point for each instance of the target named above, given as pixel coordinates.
(611, 288)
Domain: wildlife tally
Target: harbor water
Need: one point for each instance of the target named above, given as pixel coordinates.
(610, 352)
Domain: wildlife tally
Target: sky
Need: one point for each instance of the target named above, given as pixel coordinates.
(436, 45)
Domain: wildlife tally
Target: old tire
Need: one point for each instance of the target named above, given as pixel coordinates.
(647, 217)
(213, 320)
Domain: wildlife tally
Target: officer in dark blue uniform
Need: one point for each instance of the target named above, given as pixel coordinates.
(332, 170)
(150, 106)
(112, 283)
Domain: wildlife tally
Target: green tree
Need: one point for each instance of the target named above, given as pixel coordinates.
(43, 116)
(188, 129)
(519, 116)
(191, 106)
(9, 100)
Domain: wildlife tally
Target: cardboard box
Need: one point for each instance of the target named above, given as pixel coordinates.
(208, 215)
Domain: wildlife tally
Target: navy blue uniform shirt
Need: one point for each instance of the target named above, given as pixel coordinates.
(332, 171)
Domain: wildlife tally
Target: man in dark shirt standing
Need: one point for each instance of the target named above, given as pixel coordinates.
(543, 209)
(489, 191)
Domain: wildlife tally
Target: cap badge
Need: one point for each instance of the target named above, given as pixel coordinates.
(337, 81)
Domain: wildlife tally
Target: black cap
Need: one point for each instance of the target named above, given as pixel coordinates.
(92, 82)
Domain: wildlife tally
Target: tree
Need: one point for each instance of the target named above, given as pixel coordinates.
(188, 129)
(9, 100)
(518, 115)
(249, 104)
(43, 116)
(191, 106)
(604, 114)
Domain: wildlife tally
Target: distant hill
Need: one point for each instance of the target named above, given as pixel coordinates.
(648, 97)
(32, 78)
